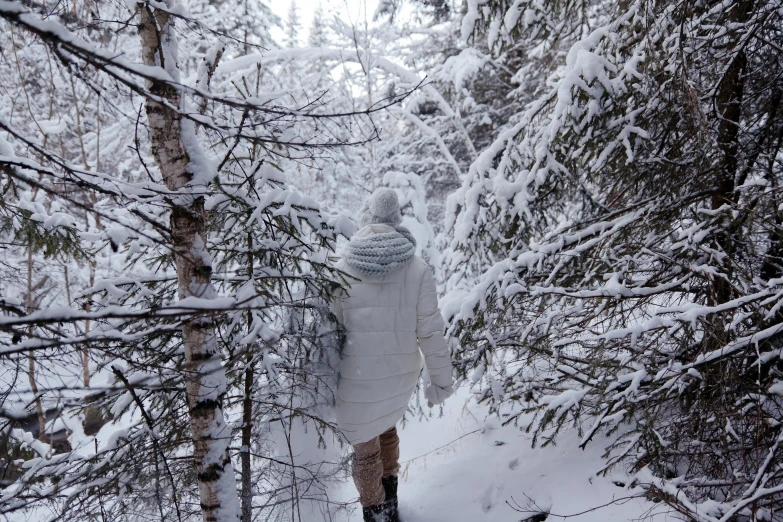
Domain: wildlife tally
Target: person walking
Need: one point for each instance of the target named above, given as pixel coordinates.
(391, 317)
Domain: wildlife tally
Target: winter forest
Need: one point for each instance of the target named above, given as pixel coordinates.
(596, 186)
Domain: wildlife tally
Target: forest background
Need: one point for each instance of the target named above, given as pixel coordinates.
(596, 185)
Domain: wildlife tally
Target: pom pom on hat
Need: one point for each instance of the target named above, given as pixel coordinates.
(382, 207)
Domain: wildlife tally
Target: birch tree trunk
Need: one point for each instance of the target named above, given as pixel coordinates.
(174, 146)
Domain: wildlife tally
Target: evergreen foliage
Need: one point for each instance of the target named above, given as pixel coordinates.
(108, 366)
(619, 246)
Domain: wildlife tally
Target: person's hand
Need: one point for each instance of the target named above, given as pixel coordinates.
(436, 395)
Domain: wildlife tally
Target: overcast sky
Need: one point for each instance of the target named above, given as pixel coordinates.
(347, 9)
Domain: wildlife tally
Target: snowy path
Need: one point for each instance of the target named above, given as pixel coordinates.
(471, 479)
(461, 468)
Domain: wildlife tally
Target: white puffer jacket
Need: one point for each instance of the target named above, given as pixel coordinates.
(390, 320)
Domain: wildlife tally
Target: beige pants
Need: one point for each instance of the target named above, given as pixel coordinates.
(372, 460)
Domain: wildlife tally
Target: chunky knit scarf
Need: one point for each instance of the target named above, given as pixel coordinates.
(381, 253)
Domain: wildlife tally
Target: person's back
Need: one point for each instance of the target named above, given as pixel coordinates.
(391, 316)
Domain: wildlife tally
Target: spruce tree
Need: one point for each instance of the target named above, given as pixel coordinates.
(616, 252)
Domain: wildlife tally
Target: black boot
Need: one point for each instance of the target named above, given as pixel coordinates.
(377, 513)
(390, 487)
(387, 510)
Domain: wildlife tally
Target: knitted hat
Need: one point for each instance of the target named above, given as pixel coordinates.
(381, 207)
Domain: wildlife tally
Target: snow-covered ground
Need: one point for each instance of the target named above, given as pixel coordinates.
(465, 468)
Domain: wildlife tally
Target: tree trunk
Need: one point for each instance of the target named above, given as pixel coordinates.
(205, 376)
(30, 357)
(85, 351)
(728, 104)
(247, 430)
(247, 408)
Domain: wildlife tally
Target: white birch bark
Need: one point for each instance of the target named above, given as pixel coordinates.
(176, 152)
